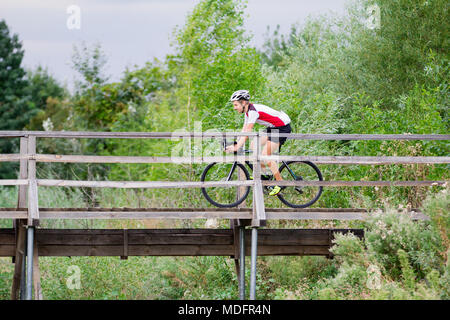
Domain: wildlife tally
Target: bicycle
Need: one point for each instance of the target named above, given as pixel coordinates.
(294, 197)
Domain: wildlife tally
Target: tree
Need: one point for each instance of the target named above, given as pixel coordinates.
(396, 53)
(15, 111)
(47, 96)
(98, 104)
(276, 46)
(213, 59)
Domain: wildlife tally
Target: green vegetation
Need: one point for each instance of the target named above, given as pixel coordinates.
(398, 259)
(332, 74)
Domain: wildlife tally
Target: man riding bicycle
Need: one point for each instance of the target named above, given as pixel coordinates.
(275, 121)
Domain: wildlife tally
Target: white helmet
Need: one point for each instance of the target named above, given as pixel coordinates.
(240, 95)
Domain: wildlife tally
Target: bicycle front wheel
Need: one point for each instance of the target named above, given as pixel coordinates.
(225, 197)
(300, 196)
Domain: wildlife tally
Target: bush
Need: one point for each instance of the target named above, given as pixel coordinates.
(398, 259)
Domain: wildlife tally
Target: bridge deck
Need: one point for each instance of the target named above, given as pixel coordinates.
(197, 213)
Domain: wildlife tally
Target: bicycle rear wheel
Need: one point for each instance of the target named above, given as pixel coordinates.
(225, 197)
(300, 196)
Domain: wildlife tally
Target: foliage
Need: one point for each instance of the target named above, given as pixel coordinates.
(332, 74)
(15, 111)
(213, 59)
(396, 52)
(45, 94)
(399, 258)
(277, 46)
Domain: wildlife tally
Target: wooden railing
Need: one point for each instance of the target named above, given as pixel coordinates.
(278, 242)
(28, 182)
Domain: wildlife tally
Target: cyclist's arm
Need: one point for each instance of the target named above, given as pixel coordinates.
(248, 127)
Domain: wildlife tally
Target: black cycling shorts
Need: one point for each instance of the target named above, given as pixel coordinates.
(283, 129)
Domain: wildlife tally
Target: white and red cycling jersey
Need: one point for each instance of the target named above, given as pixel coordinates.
(266, 116)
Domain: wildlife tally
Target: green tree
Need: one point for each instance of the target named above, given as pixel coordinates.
(396, 53)
(276, 46)
(97, 103)
(213, 59)
(15, 112)
(47, 96)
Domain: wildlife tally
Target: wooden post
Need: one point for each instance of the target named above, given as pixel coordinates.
(125, 245)
(259, 214)
(19, 225)
(238, 227)
(33, 211)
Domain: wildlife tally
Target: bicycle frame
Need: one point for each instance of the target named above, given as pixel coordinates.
(250, 166)
(263, 176)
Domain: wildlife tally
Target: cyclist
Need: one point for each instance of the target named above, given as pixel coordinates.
(274, 120)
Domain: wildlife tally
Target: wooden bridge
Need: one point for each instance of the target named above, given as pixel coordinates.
(26, 241)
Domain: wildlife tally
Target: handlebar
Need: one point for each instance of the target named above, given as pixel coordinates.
(225, 145)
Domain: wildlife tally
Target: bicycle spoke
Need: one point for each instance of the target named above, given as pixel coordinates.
(300, 196)
(225, 196)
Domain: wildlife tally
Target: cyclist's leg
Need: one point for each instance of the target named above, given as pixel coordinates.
(263, 142)
(270, 148)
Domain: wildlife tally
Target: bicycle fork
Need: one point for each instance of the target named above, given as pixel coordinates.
(231, 171)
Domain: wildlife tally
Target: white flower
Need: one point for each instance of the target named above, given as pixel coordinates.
(131, 109)
(47, 125)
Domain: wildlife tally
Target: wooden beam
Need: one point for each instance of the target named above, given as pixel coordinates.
(199, 213)
(347, 160)
(122, 135)
(357, 160)
(194, 184)
(300, 136)
(141, 184)
(355, 183)
(133, 159)
(11, 182)
(318, 215)
(167, 135)
(10, 157)
(172, 242)
(143, 215)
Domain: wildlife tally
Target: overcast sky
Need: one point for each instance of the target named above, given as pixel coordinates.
(131, 32)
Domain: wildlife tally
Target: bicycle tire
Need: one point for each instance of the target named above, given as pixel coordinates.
(316, 174)
(220, 204)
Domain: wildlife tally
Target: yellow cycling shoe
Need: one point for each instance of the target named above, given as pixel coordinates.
(275, 190)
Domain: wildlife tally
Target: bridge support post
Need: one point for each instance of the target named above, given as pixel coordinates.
(23, 270)
(242, 262)
(30, 247)
(18, 283)
(254, 253)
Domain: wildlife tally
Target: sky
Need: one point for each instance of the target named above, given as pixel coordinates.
(130, 32)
